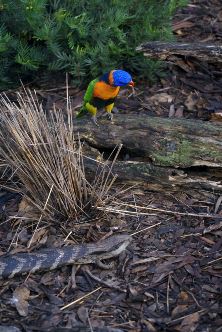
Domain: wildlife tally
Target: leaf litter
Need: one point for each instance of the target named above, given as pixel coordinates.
(170, 275)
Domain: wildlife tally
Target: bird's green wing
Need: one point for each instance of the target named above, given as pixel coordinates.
(89, 91)
(87, 98)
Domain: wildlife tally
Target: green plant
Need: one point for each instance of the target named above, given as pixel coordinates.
(84, 38)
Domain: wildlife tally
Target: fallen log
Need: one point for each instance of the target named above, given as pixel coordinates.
(159, 178)
(161, 153)
(176, 143)
(167, 50)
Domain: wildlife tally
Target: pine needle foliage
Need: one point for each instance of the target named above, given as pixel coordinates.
(83, 38)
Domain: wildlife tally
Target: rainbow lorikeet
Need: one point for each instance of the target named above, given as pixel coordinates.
(102, 91)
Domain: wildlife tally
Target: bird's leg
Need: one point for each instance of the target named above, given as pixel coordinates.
(94, 120)
(93, 111)
(110, 116)
(109, 111)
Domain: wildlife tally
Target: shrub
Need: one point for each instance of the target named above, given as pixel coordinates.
(45, 155)
(84, 38)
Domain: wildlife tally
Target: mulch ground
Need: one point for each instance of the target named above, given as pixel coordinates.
(169, 278)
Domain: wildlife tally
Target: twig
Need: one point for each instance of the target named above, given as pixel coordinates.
(89, 321)
(125, 212)
(110, 170)
(40, 218)
(86, 269)
(167, 295)
(16, 235)
(205, 231)
(177, 320)
(62, 291)
(148, 208)
(138, 218)
(66, 238)
(145, 229)
(214, 261)
(80, 299)
(73, 277)
(95, 302)
(194, 298)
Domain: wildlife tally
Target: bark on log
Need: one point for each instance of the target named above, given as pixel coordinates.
(167, 50)
(163, 142)
(158, 178)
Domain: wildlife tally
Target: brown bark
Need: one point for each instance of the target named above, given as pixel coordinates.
(160, 141)
(162, 152)
(161, 178)
(167, 50)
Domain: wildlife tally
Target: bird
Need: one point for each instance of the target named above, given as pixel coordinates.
(102, 91)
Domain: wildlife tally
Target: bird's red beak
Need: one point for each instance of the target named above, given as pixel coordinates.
(131, 83)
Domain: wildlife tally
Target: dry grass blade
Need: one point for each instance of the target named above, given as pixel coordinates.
(149, 208)
(44, 152)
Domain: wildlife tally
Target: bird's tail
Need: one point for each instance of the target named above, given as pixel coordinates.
(81, 112)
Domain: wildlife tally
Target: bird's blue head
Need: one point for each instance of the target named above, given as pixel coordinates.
(120, 78)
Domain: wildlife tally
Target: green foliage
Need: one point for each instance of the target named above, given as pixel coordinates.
(84, 38)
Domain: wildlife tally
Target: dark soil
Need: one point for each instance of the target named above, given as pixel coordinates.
(169, 278)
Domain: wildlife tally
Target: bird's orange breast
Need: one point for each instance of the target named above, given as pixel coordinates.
(105, 91)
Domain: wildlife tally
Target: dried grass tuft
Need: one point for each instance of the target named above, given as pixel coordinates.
(46, 156)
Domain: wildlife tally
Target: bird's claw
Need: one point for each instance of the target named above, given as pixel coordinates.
(110, 116)
(94, 120)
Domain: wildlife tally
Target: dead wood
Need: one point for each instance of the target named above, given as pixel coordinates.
(157, 178)
(165, 50)
(160, 141)
(162, 153)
